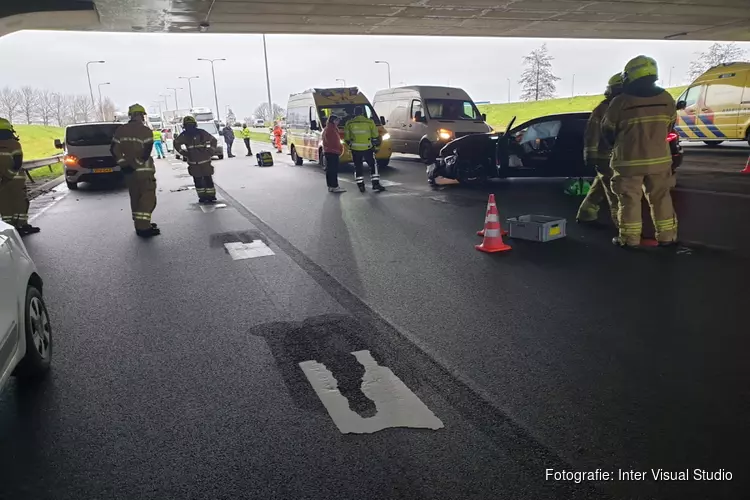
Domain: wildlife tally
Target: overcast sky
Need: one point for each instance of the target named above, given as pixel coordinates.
(142, 66)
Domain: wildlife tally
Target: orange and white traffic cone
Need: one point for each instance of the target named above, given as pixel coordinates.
(503, 232)
(493, 237)
(747, 167)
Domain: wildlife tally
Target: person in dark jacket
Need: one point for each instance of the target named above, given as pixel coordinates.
(228, 134)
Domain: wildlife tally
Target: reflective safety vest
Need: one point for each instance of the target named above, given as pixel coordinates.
(359, 132)
(595, 148)
(639, 127)
(245, 133)
(157, 135)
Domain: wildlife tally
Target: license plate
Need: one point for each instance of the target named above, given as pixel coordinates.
(102, 170)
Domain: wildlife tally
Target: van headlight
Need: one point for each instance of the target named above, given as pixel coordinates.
(444, 134)
(386, 136)
(450, 160)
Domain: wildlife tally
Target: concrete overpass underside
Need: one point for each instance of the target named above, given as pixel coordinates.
(626, 19)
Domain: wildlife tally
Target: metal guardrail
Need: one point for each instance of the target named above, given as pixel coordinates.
(30, 165)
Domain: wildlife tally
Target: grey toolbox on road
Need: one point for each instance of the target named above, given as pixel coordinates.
(536, 227)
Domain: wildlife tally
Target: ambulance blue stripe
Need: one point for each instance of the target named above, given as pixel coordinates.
(690, 122)
(709, 122)
(679, 131)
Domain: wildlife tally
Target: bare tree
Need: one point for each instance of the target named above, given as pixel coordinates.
(716, 54)
(83, 109)
(106, 110)
(537, 80)
(10, 103)
(261, 112)
(46, 106)
(29, 97)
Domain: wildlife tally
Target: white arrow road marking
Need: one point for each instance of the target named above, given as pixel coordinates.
(212, 208)
(387, 183)
(396, 405)
(238, 250)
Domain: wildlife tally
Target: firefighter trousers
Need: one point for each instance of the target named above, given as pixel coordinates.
(600, 190)
(14, 204)
(142, 189)
(359, 158)
(630, 190)
(204, 182)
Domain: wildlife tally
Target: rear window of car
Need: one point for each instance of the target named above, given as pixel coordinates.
(91, 135)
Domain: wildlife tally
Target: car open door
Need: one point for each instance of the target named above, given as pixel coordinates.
(528, 149)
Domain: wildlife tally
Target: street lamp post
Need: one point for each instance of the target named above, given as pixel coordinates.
(343, 82)
(175, 89)
(213, 75)
(101, 109)
(88, 75)
(508, 89)
(268, 82)
(670, 76)
(389, 70)
(166, 104)
(190, 86)
(573, 88)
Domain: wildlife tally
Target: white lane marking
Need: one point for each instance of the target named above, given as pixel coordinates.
(386, 183)
(238, 250)
(212, 208)
(60, 191)
(396, 405)
(714, 193)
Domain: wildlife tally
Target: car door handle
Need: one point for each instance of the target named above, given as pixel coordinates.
(704, 109)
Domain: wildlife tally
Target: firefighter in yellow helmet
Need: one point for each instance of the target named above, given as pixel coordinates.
(362, 137)
(636, 124)
(131, 146)
(14, 204)
(596, 155)
(199, 148)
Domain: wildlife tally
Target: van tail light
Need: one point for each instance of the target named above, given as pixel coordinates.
(672, 136)
(70, 161)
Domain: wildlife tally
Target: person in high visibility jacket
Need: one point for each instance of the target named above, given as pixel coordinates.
(596, 155)
(636, 124)
(199, 149)
(14, 204)
(158, 144)
(277, 133)
(245, 134)
(362, 137)
(131, 146)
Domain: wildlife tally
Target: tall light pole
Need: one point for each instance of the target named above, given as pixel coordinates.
(213, 75)
(101, 109)
(343, 82)
(88, 75)
(670, 76)
(190, 86)
(389, 70)
(158, 103)
(175, 89)
(268, 81)
(508, 89)
(573, 88)
(166, 104)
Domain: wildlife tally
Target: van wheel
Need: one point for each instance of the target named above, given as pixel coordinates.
(295, 157)
(72, 185)
(383, 163)
(322, 159)
(712, 143)
(425, 152)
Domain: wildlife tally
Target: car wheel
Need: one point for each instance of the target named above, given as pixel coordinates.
(221, 157)
(177, 157)
(712, 143)
(295, 157)
(425, 152)
(72, 185)
(38, 333)
(383, 163)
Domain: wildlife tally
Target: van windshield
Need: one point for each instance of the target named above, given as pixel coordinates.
(91, 135)
(209, 127)
(345, 112)
(452, 109)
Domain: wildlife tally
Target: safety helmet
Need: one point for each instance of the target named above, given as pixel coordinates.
(136, 108)
(6, 125)
(640, 67)
(614, 85)
(189, 120)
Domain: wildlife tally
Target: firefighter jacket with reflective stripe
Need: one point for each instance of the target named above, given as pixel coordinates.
(358, 133)
(200, 146)
(637, 126)
(595, 148)
(132, 144)
(11, 158)
(245, 133)
(157, 135)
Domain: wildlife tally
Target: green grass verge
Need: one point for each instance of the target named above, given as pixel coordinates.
(255, 136)
(38, 141)
(498, 115)
(42, 174)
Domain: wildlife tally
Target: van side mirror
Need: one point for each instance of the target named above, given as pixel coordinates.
(382, 120)
(681, 104)
(418, 117)
(59, 144)
(313, 125)
(484, 117)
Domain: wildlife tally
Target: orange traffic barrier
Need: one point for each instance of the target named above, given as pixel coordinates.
(493, 237)
(503, 232)
(747, 167)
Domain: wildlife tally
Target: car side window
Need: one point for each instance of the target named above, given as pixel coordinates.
(416, 105)
(538, 136)
(691, 96)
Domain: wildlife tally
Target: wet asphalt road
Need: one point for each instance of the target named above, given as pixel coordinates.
(176, 372)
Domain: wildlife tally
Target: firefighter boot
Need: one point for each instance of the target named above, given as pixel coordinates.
(148, 233)
(361, 186)
(28, 229)
(377, 187)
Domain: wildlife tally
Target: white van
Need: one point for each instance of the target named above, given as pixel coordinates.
(422, 119)
(210, 127)
(87, 155)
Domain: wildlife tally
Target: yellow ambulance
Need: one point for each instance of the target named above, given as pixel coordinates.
(308, 112)
(716, 106)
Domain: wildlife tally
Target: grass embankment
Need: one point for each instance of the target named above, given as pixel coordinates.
(498, 115)
(38, 141)
(254, 136)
